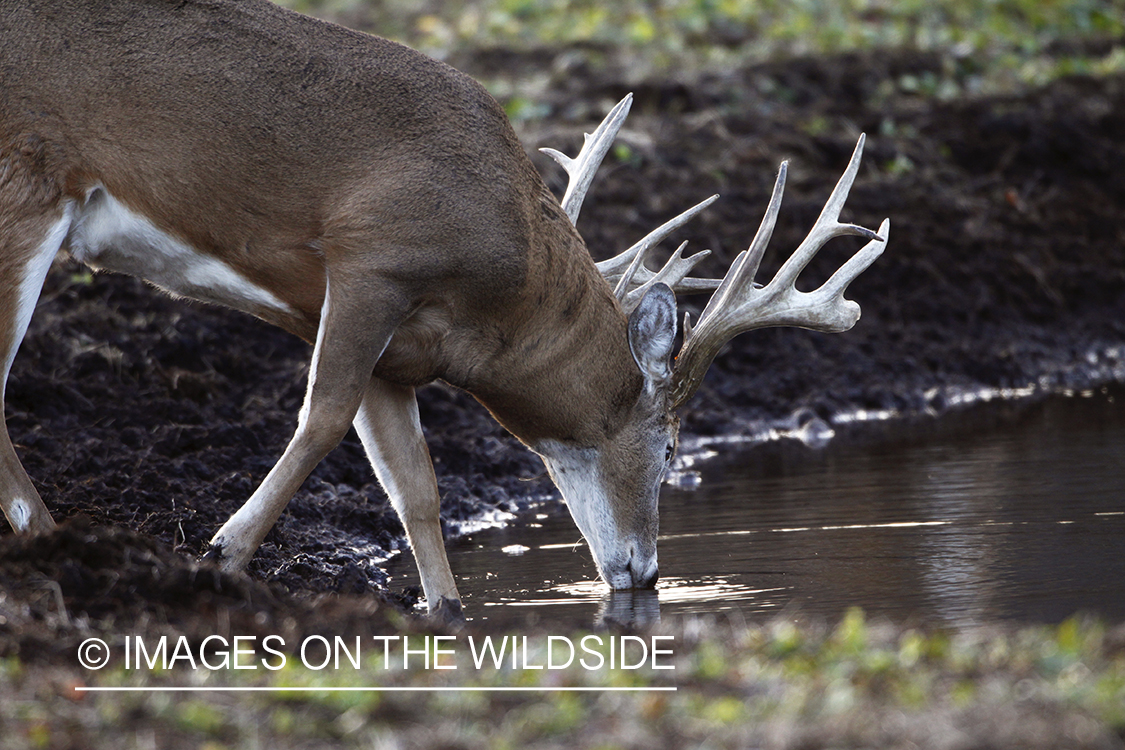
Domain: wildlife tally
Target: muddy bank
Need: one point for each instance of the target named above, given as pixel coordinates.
(57, 589)
(1006, 267)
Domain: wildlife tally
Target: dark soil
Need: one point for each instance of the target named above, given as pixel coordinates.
(154, 419)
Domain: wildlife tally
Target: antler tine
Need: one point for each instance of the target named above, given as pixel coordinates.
(745, 266)
(581, 168)
(622, 287)
(617, 267)
(738, 305)
(828, 224)
(673, 272)
(581, 171)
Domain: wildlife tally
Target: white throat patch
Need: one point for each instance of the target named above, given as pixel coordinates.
(576, 473)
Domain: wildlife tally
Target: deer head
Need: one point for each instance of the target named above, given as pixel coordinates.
(631, 465)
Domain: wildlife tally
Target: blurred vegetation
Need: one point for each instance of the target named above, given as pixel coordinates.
(861, 683)
(992, 45)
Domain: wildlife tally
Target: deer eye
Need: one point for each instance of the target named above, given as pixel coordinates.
(669, 452)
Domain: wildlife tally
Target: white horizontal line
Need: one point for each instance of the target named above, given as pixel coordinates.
(251, 689)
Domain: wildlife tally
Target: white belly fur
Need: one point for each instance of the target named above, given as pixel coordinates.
(107, 235)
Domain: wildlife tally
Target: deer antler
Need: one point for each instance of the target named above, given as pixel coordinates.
(626, 272)
(738, 305)
(581, 168)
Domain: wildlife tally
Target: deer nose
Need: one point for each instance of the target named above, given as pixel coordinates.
(644, 573)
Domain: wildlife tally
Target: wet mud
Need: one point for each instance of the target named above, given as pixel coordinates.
(146, 421)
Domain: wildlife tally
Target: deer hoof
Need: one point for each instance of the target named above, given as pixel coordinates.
(448, 612)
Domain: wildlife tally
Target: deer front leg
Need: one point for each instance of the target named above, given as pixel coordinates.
(355, 326)
(391, 432)
(21, 503)
(32, 228)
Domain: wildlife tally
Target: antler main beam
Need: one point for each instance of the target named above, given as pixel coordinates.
(738, 305)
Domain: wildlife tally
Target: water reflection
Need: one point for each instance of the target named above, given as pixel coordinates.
(636, 607)
(1016, 512)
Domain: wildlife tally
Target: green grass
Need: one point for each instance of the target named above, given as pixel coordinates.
(988, 46)
(857, 683)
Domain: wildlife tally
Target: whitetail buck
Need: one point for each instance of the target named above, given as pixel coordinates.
(376, 202)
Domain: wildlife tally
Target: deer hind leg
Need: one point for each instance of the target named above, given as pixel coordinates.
(32, 229)
(391, 432)
(355, 326)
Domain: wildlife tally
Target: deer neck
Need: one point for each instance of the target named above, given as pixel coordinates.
(564, 370)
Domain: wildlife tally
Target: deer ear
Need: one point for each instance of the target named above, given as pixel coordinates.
(652, 332)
